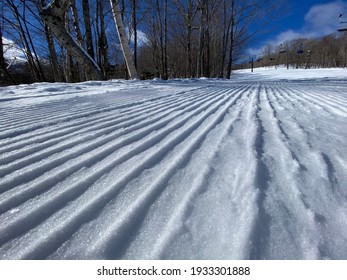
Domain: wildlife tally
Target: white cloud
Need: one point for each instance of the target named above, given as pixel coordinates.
(142, 37)
(320, 20)
(12, 52)
(284, 36)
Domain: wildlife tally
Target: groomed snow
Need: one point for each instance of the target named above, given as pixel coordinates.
(251, 168)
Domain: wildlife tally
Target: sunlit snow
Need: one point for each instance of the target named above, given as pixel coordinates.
(251, 168)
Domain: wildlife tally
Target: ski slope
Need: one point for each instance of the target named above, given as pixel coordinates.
(251, 168)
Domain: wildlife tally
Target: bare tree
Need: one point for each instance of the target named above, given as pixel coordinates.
(187, 11)
(21, 26)
(53, 14)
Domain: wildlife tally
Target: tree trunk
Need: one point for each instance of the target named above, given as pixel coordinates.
(135, 30)
(53, 15)
(79, 36)
(68, 60)
(161, 40)
(53, 54)
(203, 63)
(206, 57)
(189, 38)
(224, 40)
(102, 39)
(232, 42)
(123, 40)
(89, 38)
(165, 70)
(2, 58)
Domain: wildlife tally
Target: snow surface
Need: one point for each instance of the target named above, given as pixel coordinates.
(251, 168)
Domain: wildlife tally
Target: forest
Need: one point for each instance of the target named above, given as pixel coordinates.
(80, 40)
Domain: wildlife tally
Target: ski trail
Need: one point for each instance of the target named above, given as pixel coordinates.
(88, 156)
(26, 125)
(93, 130)
(98, 198)
(281, 182)
(316, 182)
(113, 238)
(324, 102)
(169, 243)
(130, 124)
(176, 193)
(307, 101)
(123, 110)
(76, 126)
(188, 169)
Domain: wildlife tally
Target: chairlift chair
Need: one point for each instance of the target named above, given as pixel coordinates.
(342, 25)
(282, 50)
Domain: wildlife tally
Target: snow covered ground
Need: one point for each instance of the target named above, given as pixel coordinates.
(251, 168)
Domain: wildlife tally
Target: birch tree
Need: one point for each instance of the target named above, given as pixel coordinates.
(50, 42)
(53, 14)
(123, 40)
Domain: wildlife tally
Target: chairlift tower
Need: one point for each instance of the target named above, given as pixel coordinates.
(342, 28)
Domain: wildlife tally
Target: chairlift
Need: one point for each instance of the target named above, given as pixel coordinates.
(300, 50)
(282, 50)
(272, 58)
(342, 24)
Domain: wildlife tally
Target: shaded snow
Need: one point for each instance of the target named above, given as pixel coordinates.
(252, 168)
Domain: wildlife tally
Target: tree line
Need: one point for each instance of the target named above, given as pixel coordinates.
(79, 40)
(326, 52)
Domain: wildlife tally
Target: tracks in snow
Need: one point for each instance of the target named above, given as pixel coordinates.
(231, 166)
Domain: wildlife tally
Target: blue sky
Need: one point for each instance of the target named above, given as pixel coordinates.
(300, 18)
(303, 18)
